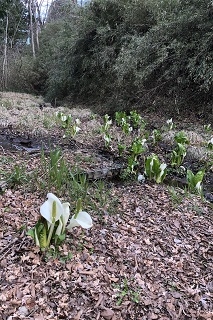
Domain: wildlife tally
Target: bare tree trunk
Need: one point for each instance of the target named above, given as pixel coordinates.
(36, 27)
(37, 33)
(39, 17)
(4, 67)
(31, 5)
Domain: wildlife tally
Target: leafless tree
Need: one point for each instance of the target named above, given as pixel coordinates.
(4, 65)
(32, 33)
(38, 14)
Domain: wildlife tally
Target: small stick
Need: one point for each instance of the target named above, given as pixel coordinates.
(3, 150)
(8, 246)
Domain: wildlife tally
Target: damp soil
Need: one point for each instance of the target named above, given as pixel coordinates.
(16, 141)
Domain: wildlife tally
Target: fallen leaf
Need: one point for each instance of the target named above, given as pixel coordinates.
(107, 314)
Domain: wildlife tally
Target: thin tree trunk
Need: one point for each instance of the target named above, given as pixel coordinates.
(37, 33)
(31, 4)
(35, 24)
(4, 67)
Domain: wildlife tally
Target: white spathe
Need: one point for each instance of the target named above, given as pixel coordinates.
(63, 218)
(83, 219)
(46, 209)
(198, 187)
(162, 169)
(143, 141)
(66, 214)
(210, 141)
(163, 166)
(64, 118)
(77, 129)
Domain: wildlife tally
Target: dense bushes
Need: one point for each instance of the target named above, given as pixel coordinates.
(129, 52)
(101, 33)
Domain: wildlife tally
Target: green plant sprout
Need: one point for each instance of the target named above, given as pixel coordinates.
(132, 163)
(74, 128)
(156, 136)
(176, 195)
(207, 127)
(50, 227)
(126, 127)
(136, 120)
(121, 148)
(120, 117)
(100, 195)
(194, 181)
(181, 138)
(79, 184)
(154, 169)
(107, 123)
(58, 175)
(18, 176)
(54, 253)
(137, 147)
(65, 119)
(71, 127)
(178, 155)
(124, 290)
(133, 121)
(105, 130)
(123, 121)
(131, 168)
(55, 169)
(210, 144)
(107, 139)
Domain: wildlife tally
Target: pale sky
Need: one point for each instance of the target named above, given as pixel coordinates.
(47, 3)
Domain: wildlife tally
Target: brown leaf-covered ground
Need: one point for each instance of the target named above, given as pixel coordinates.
(149, 254)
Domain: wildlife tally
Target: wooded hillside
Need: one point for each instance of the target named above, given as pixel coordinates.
(117, 53)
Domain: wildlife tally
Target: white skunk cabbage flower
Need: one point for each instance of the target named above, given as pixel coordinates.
(210, 143)
(170, 123)
(83, 219)
(63, 218)
(107, 138)
(64, 118)
(52, 208)
(199, 187)
(162, 172)
(163, 167)
(143, 141)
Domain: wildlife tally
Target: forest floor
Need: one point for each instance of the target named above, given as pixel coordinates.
(149, 254)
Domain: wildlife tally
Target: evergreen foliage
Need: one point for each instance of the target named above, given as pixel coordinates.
(175, 58)
(17, 15)
(91, 49)
(127, 52)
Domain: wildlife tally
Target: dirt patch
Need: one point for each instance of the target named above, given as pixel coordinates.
(147, 260)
